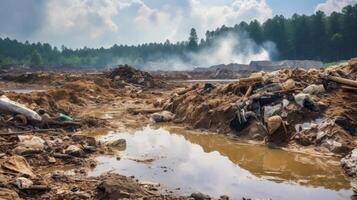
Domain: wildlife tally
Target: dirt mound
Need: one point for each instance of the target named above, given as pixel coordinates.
(308, 103)
(125, 74)
(66, 98)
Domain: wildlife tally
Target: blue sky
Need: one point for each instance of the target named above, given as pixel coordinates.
(96, 23)
(289, 7)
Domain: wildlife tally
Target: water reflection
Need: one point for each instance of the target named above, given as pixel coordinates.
(217, 166)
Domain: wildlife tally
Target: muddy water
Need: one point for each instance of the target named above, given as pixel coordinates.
(212, 164)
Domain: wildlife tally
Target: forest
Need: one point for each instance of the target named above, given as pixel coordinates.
(315, 37)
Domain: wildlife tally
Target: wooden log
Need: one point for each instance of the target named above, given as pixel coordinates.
(344, 81)
(253, 79)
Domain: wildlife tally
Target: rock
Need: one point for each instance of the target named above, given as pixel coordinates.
(200, 196)
(29, 144)
(119, 144)
(163, 116)
(7, 194)
(274, 124)
(18, 164)
(314, 89)
(115, 187)
(74, 150)
(23, 183)
(349, 163)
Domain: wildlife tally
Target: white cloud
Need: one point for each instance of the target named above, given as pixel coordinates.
(94, 23)
(334, 5)
(213, 16)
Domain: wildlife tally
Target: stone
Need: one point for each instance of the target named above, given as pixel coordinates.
(23, 183)
(119, 144)
(74, 150)
(163, 116)
(200, 196)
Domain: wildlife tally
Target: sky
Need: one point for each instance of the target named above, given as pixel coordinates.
(97, 23)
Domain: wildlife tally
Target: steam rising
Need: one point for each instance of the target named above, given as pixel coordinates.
(230, 48)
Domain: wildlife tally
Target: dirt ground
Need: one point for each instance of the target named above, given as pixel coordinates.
(49, 159)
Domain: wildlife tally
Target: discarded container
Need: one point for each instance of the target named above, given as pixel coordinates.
(65, 118)
(13, 107)
(289, 84)
(274, 124)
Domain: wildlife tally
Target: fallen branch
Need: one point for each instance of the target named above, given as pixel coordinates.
(344, 81)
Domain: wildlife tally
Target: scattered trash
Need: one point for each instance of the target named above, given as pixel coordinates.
(274, 123)
(29, 145)
(64, 118)
(18, 164)
(305, 100)
(15, 108)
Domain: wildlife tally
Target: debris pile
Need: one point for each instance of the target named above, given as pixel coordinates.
(307, 107)
(124, 75)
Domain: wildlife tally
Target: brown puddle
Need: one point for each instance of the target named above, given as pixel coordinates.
(212, 164)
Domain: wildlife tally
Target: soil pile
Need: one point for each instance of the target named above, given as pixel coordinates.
(67, 98)
(307, 107)
(124, 74)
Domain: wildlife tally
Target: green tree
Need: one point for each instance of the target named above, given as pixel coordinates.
(193, 40)
(36, 58)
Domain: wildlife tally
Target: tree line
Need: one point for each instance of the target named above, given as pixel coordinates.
(315, 37)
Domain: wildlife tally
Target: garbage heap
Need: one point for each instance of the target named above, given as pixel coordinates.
(308, 107)
(126, 75)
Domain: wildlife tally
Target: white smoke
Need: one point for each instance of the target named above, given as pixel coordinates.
(233, 49)
(230, 48)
